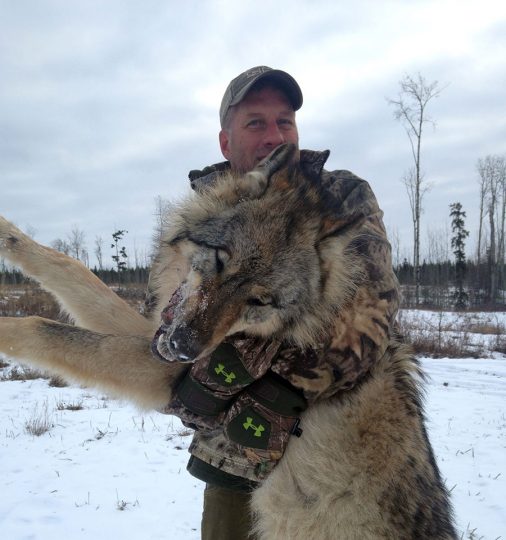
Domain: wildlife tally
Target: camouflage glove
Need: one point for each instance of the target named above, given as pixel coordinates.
(233, 390)
(213, 382)
(258, 418)
(263, 417)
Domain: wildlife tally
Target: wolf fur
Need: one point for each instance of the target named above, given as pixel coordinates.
(256, 255)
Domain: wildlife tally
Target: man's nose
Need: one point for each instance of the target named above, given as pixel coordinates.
(273, 136)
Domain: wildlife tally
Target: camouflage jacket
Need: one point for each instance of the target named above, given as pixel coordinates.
(360, 333)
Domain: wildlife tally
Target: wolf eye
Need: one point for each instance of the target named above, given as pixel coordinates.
(264, 301)
(221, 257)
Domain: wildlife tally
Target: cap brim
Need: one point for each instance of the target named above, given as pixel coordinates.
(281, 79)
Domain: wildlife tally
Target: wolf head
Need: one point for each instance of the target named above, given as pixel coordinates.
(252, 255)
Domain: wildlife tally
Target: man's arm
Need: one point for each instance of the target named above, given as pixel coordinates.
(362, 329)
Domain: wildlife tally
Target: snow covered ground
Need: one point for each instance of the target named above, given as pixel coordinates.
(105, 471)
(466, 409)
(102, 472)
(475, 332)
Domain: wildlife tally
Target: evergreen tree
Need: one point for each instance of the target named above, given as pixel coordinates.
(120, 257)
(458, 245)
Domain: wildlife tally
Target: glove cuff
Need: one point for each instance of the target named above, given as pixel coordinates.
(199, 399)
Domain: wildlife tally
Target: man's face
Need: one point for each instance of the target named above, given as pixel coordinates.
(262, 121)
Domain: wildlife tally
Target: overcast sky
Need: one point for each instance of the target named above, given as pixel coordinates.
(105, 105)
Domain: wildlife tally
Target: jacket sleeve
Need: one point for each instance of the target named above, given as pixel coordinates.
(362, 327)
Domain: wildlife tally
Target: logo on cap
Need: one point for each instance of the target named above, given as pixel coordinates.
(257, 71)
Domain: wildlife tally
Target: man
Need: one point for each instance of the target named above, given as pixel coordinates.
(259, 122)
(257, 114)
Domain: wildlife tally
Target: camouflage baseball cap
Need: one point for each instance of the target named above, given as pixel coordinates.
(241, 85)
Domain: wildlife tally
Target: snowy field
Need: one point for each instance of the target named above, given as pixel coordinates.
(104, 471)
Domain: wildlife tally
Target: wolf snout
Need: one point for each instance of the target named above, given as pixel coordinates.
(183, 345)
(173, 347)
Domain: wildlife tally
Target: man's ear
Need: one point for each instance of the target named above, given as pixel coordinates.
(224, 144)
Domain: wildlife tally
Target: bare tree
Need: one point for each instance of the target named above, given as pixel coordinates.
(492, 174)
(162, 208)
(482, 176)
(99, 254)
(410, 108)
(416, 189)
(438, 249)
(76, 240)
(501, 242)
(492, 255)
(395, 242)
(85, 257)
(61, 245)
(31, 231)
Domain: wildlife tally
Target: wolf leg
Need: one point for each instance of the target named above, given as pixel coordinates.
(121, 365)
(80, 293)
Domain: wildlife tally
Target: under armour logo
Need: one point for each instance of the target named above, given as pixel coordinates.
(220, 370)
(249, 424)
(257, 71)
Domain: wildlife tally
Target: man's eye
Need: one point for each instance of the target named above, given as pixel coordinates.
(285, 122)
(254, 123)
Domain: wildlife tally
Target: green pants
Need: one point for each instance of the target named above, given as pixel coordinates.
(226, 514)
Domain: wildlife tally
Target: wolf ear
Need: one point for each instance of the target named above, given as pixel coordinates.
(253, 184)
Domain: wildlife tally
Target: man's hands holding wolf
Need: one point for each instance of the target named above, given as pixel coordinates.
(232, 389)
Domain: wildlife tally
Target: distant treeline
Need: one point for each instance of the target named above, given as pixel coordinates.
(138, 275)
(437, 280)
(438, 285)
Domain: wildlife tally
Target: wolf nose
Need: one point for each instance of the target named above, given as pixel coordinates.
(180, 355)
(182, 346)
